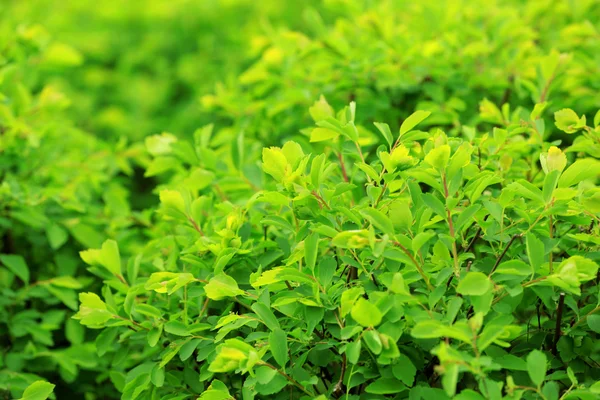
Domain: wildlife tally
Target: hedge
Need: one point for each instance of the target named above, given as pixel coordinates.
(357, 200)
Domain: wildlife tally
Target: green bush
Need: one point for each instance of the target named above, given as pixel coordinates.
(432, 267)
(278, 241)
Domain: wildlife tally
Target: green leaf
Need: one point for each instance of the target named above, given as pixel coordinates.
(108, 256)
(57, 236)
(474, 284)
(379, 220)
(311, 247)
(38, 390)
(432, 329)
(349, 297)
(274, 163)
(92, 311)
(366, 313)
(549, 185)
(188, 348)
(593, 322)
(438, 157)
(420, 240)
(172, 201)
(404, 370)
(535, 251)
(450, 379)
(148, 310)
(397, 284)
(105, 341)
(278, 346)
(353, 351)
(354, 239)
(280, 274)
(537, 367)
(567, 120)
(513, 267)
(16, 264)
(465, 216)
(435, 204)
(66, 282)
(266, 315)
(168, 282)
(74, 331)
(322, 134)
(580, 170)
(177, 328)
(385, 386)
(222, 286)
(538, 109)
(157, 376)
(233, 354)
(154, 334)
(413, 120)
(400, 215)
(385, 131)
(373, 341)
(320, 110)
(292, 152)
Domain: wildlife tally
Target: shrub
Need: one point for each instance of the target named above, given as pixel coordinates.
(429, 266)
(275, 252)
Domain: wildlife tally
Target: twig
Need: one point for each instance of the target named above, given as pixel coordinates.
(499, 259)
(286, 376)
(343, 167)
(339, 386)
(551, 229)
(559, 310)
(204, 308)
(584, 318)
(196, 226)
(451, 228)
(419, 269)
(322, 202)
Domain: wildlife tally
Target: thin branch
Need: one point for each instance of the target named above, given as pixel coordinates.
(321, 200)
(343, 167)
(286, 376)
(204, 308)
(196, 226)
(419, 269)
(451, 228)
(584, 318)
(499, 259)
(339, 386)
(559, 310)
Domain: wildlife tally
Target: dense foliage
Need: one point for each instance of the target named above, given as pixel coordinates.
(237, 199)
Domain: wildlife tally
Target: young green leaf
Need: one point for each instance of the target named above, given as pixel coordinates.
(222, 286)
(279, 347)
(413, 120)
(474, 284)
(38, 390)
(379, 220)
(537, 367)
(16, 264)
(385, 131)
(266, 316)
(311, 248)
(366, 313)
